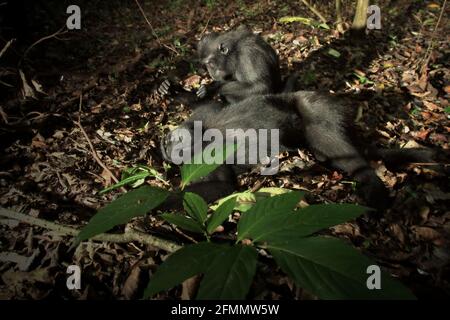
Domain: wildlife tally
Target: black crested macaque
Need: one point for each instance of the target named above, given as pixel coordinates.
(241, 64)
(304, 119)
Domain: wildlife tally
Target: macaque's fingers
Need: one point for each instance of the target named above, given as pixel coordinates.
(201, 92)
(164, 88)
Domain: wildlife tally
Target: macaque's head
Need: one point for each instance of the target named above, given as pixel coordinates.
(219, 52)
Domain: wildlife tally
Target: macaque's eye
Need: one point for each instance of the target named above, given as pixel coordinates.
(223, 49)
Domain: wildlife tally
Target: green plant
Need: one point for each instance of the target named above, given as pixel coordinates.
(270, 221)
(182, 47)
(134, 177)
(306, 21)
(210, 4)
(308, 77)
(333, 53)
(362, 79)
(447, 109)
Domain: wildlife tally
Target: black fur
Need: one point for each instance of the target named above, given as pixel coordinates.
(305, 119)
(241, 64)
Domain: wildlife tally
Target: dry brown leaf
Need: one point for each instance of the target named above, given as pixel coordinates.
(397, 231)
(107, 176)
(411, 144)
(18, 278)
(299, 40)
(426, 115)
(38, 142)
(426, 233)
(37, 86)
(433, 6)
(58, 134)
(424, 212)
(189, 288)
(438, 137)
(349, 229)
(422, 134)
(288, 37)
(131, 284)
(423, 80)
(96, 109)
(136, 107)
(430, 106)
(27, 90)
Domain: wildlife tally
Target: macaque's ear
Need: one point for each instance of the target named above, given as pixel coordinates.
(243, 28)
(209, 36)
(203, 43)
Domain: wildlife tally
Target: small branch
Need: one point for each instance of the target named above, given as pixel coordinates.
(3, 115)
(339, 22)
(315, 11)
(91, 146)
(415, 164)
(128, 236)
(153, 30)
(57, 33)
(6, 47)
(360, 18)
(433, 36)
(206, 25)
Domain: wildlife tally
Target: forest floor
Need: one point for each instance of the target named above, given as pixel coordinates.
(114, 63)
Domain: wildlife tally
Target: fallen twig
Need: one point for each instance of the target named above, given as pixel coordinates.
(206, 25)
(433, 36)
(54, 35)
(128, 236)
(91, 146)
(153, 30)
(339, 21)
(6, 47)
(3, 115)
(315, 11)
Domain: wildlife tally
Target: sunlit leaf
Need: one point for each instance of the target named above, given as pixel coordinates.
(230, 274)
(253, 222)
(330, 269)
(183, 222)
(131, 204)
(181, 265)
(221, 214)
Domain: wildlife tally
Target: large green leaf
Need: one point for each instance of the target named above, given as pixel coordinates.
(183, 222)
(196, 170)
(191, 172)
(181, 265)
(132, 204)
(330, 269)
(195, 206)
(245, 200)
(254, 221)
(306, 221)
(123, 182)
(289, 19)
(220, 214)
(230, 274)
(334, 53)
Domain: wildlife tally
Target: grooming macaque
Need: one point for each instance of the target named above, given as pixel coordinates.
(241, 64)
(304, 119)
